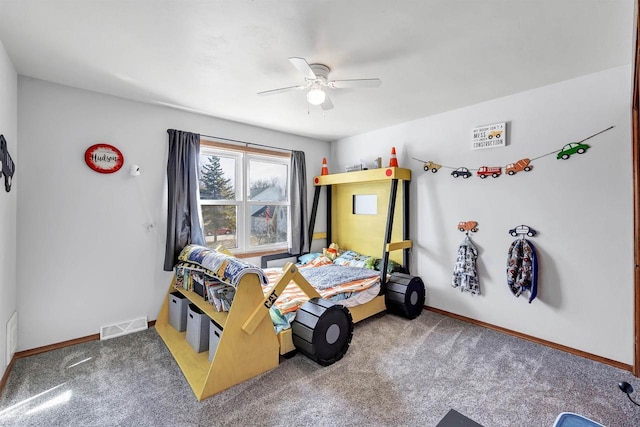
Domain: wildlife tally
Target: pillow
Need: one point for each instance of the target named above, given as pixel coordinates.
(307, 258)
(352, 259)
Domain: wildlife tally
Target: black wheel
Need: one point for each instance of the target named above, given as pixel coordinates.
(426, 168)
(404, 295)
(455, 174)
(490, 136)
(483, 176)
(511, 173)
(495, 175)
(527, 169)
(466, 176)
(498, 135)
(322, 331)
(565, 156)
(580, 150)
(434, 170)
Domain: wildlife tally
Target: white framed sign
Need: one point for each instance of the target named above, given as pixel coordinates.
(489, 136)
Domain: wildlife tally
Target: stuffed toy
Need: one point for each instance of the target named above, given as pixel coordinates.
(332, 251)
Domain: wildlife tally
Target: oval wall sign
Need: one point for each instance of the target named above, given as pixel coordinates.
(104, 158)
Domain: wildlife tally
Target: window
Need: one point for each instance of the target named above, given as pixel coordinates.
(244, 197)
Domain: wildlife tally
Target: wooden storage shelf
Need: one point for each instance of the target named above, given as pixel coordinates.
(239, 356)
(194, 366)
(220, 317)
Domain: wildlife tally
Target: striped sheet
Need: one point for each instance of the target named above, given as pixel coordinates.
(292, 297)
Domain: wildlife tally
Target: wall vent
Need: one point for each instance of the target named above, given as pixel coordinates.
(12, 337)
(123, 328)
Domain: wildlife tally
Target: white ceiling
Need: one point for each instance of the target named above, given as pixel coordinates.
(213, 57)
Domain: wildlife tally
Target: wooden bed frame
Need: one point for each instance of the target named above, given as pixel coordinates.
(249, 345)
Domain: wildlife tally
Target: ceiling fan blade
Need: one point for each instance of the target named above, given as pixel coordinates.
(356, 83)
(327, 104)
(282, 89)
(302, 65)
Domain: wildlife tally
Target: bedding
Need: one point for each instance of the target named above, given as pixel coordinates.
(226, 267)
(364, 287)
(345, 281)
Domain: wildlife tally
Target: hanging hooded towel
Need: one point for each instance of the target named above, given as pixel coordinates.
(465, 275)
(522, 268)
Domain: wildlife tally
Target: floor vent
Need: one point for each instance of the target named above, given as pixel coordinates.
(123, 328)
(12, 337)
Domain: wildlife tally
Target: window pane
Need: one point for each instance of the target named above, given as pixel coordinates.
(267, 181)
(268, 224)
(217, 177)
(220, 226)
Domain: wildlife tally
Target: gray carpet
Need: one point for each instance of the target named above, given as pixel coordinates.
(396, 372)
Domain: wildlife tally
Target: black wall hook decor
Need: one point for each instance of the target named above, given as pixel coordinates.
(523, 230)
(7, 167)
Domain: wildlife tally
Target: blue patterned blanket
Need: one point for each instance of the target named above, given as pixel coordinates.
(225, 267)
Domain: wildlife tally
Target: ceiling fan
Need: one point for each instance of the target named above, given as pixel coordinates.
(316, 78)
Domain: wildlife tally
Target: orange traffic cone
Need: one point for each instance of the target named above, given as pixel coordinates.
(325, 169)
(393, 162)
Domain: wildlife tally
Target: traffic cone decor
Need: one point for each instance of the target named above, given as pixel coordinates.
(325, 169)
(393, 162)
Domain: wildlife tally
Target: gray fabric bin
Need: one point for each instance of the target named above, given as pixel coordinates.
(178, 305)
(197, 329)
(215, 332)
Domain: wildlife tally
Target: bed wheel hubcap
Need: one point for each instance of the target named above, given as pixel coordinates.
(414, 298)
(333, 333)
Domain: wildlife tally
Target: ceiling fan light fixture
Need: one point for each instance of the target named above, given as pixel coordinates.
(316, 96)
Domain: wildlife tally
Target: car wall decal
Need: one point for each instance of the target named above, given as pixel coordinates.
(566, 152)
(7, 166)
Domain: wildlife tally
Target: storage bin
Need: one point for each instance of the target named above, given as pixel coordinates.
(178, 305)
(197, 329)
(215, 332)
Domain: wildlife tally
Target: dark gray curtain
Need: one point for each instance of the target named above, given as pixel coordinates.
(183, 222)
(299, 227)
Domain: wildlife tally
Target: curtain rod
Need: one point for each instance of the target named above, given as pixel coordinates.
(245, 142)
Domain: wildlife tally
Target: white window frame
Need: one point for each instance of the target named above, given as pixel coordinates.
(243, 156)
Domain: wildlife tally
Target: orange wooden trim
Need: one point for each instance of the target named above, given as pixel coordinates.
(63, 344)
(5, 377)
(551, 344)
(56, 346)
(243, 149)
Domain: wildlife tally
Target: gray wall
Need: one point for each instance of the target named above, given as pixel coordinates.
(582, 207)
(86, 258)
(8, 201)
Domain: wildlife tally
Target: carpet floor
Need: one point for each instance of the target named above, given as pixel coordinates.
(397, 372)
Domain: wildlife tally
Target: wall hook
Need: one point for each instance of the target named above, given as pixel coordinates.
(467, 226)
(523, 230)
